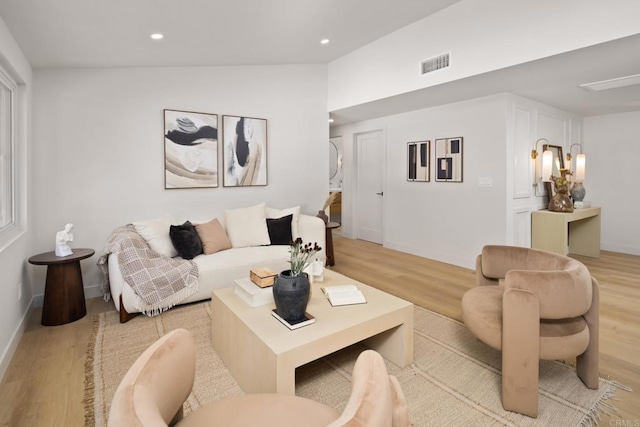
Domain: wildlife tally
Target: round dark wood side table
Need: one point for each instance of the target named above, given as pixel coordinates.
(331, 260)
(64, 290)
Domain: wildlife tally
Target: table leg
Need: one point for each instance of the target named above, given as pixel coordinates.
(396, 344)
(329, 240)
(63, 294)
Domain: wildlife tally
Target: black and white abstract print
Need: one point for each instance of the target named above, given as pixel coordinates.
(245, 151)
(449, 160)
(191, 149)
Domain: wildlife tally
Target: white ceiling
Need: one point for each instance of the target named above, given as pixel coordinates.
(115, 33)
(553, 81)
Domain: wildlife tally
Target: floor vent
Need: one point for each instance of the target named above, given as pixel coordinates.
(433, 64)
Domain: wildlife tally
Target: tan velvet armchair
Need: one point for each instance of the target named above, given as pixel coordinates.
(154, 389)
(532, 305)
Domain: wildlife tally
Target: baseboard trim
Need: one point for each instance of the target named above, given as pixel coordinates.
(624, 249)
(439, 256)
(10, 350)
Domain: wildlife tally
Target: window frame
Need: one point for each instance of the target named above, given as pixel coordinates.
(9, 159)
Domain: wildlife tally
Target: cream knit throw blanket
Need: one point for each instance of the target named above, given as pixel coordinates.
(158, 282)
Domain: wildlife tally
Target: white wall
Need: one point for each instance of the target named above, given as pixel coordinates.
(98, 146)
(528, 121)
(13, 258)
(448, 222)
(612, 149)
(482, 36)
(451, 222)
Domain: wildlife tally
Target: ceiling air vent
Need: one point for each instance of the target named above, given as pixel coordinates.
(433, 64)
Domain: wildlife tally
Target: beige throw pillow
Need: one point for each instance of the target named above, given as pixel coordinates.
(247, 226)
(213, 237)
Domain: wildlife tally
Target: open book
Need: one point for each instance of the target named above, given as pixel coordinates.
(344, 295)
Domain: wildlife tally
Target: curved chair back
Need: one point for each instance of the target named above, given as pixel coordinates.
(152, 392)
(376, 397)
(562, 284)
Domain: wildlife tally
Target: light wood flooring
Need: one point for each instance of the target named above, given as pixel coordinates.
(44, 383)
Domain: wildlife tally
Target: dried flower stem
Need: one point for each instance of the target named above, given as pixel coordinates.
(301, 255)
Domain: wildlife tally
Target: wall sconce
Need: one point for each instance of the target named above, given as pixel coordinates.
(534, 156)
(577, 190)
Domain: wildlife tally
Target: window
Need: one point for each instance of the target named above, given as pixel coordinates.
(7, 153)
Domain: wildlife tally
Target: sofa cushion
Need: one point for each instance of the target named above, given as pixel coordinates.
(247, 226)
(186, 240)
(280, 230)
(279, 213)
(156, 233)
(214, 238)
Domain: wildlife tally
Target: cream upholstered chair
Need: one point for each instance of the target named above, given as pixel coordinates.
(157, 384)
(547, 307)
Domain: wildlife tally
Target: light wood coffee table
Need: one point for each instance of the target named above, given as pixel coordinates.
(263, 354)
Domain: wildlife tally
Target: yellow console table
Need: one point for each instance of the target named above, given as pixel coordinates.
(577, 232)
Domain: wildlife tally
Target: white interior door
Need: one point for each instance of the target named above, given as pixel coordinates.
(370, 164)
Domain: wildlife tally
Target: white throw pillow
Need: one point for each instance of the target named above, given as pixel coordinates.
(156, 233)
(279, 213)
(247, 226)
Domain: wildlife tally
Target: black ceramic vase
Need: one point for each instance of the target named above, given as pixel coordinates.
(291, 295)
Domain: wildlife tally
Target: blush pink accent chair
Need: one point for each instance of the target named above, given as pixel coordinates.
(154, 389)
(533, 305)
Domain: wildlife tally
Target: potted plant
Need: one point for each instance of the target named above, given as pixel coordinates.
(291, 289)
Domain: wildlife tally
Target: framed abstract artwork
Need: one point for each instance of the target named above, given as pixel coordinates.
(190, 149)
(244, 144)
(449, 160)
(418, 160)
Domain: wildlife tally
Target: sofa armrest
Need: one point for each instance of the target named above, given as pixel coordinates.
(312, 229)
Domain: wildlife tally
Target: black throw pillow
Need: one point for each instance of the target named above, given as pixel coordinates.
(280, 230)
(186, 240)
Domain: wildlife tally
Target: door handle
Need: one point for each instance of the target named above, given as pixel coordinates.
(380, 193)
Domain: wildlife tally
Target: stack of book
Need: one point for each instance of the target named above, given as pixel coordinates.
(253, 294)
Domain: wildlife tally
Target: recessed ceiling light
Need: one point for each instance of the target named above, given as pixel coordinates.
(157, 36)
(324, 41)
(330, 120)
(612, 83)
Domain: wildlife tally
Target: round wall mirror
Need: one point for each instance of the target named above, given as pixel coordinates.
(333, 160)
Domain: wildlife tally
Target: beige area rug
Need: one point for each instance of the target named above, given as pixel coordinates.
(454, 380)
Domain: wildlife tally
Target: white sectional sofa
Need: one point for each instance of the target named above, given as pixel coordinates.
(220, 269)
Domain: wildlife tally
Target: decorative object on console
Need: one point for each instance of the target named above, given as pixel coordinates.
(449, 160)
(561, 202)
(190, 149)
(245, 151)
(418, 161)
(291, 289)
(62, 241)
(577, 190)
(553, 170)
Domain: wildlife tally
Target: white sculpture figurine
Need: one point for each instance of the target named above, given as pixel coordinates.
(62, 241)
